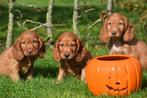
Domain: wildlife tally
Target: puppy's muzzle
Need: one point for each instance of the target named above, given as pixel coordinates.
(66, 55)
(113, 33)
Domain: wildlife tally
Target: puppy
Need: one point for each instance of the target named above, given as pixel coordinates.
(71, 54)
(124, 49)
(119, 33)
(19, 58)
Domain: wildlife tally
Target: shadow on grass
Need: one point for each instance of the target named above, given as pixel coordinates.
(46, 72)
(144, 82)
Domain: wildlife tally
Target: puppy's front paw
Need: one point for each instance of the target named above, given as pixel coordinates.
(58, 82)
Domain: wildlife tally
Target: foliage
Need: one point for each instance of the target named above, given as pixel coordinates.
(143, 20)
(138, 5)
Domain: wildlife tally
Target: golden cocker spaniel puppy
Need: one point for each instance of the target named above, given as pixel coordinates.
(119, 33)
(19, 58)
(71, 55)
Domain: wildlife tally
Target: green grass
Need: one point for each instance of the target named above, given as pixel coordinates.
(43, 85)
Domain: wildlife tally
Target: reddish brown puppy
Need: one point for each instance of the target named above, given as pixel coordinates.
(20, 57)
(71, 54)
(119, 33)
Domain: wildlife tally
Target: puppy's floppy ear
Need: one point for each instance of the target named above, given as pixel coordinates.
(17, 51)
(129, 31)
(79, 45)
(80, 51)
(104, 36)
(41, 48)
(82, 55)
(56, 53)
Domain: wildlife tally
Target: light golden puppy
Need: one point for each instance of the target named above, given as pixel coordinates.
(119, 33)
(19, 58)
(71, 55)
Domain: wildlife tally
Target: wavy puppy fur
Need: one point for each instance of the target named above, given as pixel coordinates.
(119, 32)
(19, 58)
(71, 55)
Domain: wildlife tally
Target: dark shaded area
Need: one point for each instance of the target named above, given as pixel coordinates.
(144, 82)
(46, 72)
(42, 71)
(61, 15)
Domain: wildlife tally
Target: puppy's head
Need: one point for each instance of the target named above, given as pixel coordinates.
(28, 44)
(117, 25)
(67, 46)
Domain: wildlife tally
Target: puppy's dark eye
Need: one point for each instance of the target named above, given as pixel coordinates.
(72, 45)
(23, 42)
(109, 23)
(120, 23)
(61, 44)
(34, 41)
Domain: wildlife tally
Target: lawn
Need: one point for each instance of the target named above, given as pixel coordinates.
(44, 85)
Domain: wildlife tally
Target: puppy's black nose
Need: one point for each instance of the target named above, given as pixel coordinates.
(30, 50)
(66, 55)
(113, 33)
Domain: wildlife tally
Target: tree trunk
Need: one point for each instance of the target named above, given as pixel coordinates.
(75, 17)
(49, 19)
(10, 24)
(109, 6)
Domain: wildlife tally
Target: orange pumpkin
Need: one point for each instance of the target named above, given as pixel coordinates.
(116, 75)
